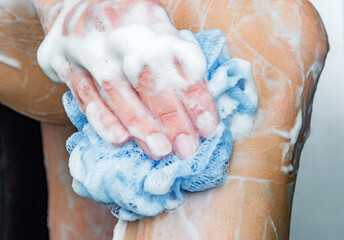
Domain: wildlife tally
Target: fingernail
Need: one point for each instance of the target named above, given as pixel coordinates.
(120, 135)
(185, 146)
(159, 145)
(207, 125)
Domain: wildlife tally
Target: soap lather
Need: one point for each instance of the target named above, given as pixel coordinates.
(133, 185)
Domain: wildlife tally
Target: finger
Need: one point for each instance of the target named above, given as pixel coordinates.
(125, 103)
(201, 108)
(103, 121)
(166, 107)
(200, 105)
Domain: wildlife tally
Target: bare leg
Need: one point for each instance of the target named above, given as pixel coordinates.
(287, 45)
(70, 216)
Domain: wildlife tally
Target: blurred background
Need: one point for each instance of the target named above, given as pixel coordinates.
(318, 210)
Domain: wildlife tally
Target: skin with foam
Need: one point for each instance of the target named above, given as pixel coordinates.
(105, 48)
(281, 78)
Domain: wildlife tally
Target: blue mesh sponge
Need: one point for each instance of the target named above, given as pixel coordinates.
(132, 184)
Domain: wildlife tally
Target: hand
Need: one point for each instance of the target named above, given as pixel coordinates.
(133, 74)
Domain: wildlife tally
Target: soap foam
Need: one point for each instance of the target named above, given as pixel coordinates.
(12, 5)
(10, 61)
(132, 184)
(110, 53)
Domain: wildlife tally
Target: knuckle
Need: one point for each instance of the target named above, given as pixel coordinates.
(109, 87)
(146, 81)
(197, 95)
(132, 118)
(86, 92)
(170, 115)
(108, 119)
(179, 68)
(196, 90)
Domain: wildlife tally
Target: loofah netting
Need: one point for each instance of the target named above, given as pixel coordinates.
(132, 184)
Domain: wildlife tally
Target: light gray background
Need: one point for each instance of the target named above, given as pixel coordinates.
(318, 210)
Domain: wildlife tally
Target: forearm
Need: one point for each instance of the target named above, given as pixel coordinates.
(48, 10)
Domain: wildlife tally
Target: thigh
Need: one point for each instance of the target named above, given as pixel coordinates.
(70, 216)
(23, 85)
(287, 46)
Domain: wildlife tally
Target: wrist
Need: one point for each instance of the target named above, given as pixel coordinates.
(47, 10)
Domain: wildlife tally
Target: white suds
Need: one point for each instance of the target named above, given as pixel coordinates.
(10, 62)
(110, 53)
(274, 227)
(287, 169)
(120, 230)
(242, 126)
(293, 134)
(10, 5)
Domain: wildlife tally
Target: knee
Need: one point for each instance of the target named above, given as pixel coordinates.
(315, 36)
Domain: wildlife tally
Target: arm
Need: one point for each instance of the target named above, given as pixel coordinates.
(47, 11)
(131, 72)
(258, 196)
(20, 76)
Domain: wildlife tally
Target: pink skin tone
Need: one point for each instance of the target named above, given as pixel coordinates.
(166, 120)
